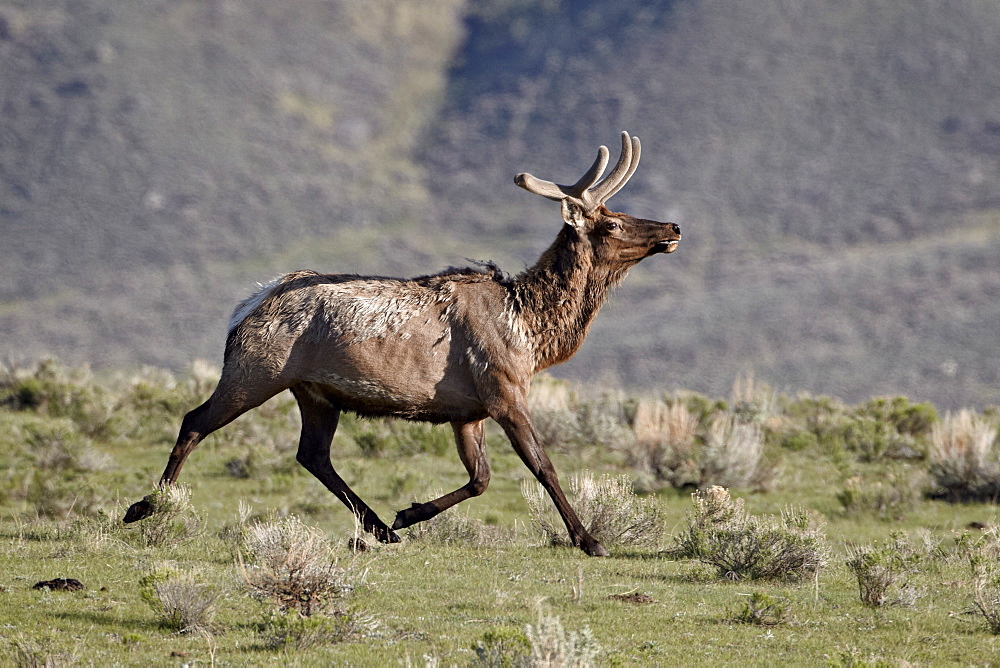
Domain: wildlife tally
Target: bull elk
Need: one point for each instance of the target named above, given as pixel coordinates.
(458, 347)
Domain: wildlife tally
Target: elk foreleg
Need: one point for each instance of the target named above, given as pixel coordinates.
(517, 425)
(471, 440)
(319, 423)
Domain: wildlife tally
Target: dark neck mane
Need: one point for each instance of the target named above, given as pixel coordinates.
(559, 297)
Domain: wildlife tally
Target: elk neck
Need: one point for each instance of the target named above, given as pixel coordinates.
(558, 298)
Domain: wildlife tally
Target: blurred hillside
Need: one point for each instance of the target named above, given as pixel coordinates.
(834, 166)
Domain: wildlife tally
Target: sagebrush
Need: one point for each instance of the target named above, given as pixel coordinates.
(721, 533)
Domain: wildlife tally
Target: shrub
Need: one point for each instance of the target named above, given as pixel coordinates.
(905, 417)
(873, 440)
(741, 546)
(552, 646)
(57, 445)
(733, 453)
(671, 446)
(292, 565)
(288, 629)
(762, 610)
(881, 572)
(983, 556)
(964, 464)
(173, 520)
(401, 437)
(184, 604)
(666, 442)
(752, 402)
(451, 527)
(607, 506)
(887, 494)
(800, 440)
(565, 423)
(502, 648)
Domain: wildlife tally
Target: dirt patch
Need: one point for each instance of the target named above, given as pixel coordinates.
(60, 584)
(635, 598)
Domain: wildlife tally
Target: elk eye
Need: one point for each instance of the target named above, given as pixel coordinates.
(613, 226)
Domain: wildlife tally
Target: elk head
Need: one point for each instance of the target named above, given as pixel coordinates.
(617, 238)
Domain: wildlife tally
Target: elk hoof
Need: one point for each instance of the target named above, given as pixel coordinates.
(595, 549)
(385, 535)
(418, 512)
(139, 510)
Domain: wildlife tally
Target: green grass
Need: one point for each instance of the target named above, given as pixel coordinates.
(426, 601)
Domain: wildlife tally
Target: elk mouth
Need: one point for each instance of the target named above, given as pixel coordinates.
(666, 246)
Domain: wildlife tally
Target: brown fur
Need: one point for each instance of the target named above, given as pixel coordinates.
(460, 346)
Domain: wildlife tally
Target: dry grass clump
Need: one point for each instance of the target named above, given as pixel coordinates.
(608, 507)
(741, 546)
(964, 462)
(733, 453)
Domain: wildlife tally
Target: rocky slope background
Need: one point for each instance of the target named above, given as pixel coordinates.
(835, 167)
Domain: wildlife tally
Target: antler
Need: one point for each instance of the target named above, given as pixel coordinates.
(584, 192)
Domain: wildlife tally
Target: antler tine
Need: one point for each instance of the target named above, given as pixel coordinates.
(594, 173)
(616, 179)
(584, 192)
(557, 192)
(636, 151)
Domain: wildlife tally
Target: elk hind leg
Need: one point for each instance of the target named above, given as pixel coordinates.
(229, 401)
(471, 440)
(320, 417)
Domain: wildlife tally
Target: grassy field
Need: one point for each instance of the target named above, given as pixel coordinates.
(482, 584)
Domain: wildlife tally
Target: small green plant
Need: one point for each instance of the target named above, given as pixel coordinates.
(184, 604)
(552, 645)
(740, 546)
(882, 572)
(502, 647)
(762, 609)
(607, 506)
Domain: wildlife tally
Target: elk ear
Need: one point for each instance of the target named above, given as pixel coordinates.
(573, 214)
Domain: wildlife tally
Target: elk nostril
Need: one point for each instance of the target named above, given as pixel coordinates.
(676, 227)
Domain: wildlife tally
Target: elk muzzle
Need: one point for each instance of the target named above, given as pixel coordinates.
(670, 240)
